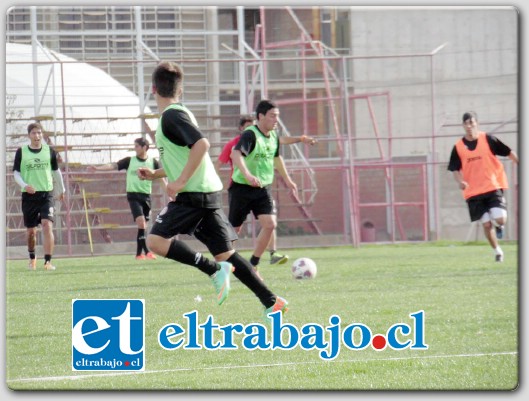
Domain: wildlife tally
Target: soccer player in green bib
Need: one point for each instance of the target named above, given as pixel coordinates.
(197, 192)
(255, 158)
(225, 158)
(138, 191)
(34, 170)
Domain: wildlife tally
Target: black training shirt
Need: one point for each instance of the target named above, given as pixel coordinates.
(496, 146)
(247, 143)
(18, 158)
(179, 129)
(124, 163)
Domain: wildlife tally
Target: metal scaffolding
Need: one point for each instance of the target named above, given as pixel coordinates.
(358, 176)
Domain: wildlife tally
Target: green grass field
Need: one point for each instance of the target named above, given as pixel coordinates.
(470, 304)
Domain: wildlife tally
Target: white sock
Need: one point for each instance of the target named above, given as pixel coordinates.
(498, 250)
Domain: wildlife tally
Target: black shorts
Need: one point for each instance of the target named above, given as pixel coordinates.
(140, 205)
(244, 199)
(207, 224)
(481, 204)
(36, 207)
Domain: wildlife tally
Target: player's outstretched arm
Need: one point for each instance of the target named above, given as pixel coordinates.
(145, 173)
(289, 140)
(103, 167)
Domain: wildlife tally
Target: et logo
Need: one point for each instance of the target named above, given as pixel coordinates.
(108, 334)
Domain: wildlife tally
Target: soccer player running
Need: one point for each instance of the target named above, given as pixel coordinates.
(34, 170)
(197, 192)
(225, 158)
(138, 191)
(255, 158)
(482, 178)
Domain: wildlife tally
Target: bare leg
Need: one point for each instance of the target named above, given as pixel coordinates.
(222, 257)
(31, 235)
(158, 245)
(268, 225)
(49, 239)
(500, 221)
(141, 222)
(273, 242)
(490, 234)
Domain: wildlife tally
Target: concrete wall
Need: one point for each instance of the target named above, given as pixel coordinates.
(476, 70)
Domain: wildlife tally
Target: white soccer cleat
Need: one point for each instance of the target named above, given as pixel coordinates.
(48, 266)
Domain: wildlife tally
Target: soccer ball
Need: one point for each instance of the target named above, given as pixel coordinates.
(304, 268)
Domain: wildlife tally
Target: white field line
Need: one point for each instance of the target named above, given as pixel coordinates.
(270, 365)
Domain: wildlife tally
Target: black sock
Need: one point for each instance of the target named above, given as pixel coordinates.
(244, 272)
(140, 241)
(144, 245)
(272, 252)
(47, 258)
(31, 254)
(254, 260)
(182, 253)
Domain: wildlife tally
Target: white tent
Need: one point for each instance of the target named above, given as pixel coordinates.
(100, 116)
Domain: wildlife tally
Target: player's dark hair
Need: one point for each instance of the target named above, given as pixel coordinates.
(263, 107)
(167, 78)
(470, 114)
(245, 119)
(142, 142)
(33, 126)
